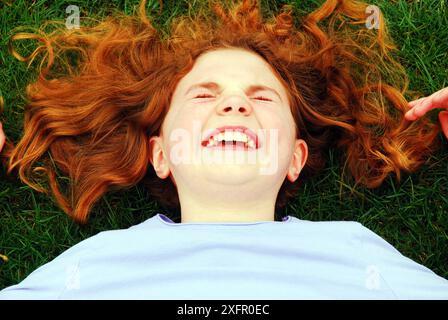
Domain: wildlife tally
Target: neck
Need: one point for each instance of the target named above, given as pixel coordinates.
(226, 210)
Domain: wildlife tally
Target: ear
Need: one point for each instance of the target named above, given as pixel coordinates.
(298, 160)
(158, 158)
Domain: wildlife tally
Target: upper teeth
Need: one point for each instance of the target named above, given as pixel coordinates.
(231, 136)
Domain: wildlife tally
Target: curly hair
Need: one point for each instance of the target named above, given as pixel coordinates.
(116, 79)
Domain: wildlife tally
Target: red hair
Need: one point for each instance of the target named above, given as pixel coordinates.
(103, 90)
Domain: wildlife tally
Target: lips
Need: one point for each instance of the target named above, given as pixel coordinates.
(241, 129)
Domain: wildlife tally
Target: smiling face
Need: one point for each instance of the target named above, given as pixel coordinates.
(238, 91)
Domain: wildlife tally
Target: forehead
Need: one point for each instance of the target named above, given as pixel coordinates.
(232, 64)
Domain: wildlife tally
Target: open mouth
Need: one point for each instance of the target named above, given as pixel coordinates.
(232, 138)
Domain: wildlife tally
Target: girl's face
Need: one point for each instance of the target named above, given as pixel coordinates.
(229, 87)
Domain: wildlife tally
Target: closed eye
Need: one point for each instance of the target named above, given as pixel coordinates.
(262, 98)
(205, 95)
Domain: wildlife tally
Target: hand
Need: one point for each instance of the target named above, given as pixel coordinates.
(420, 106)
(2, 137)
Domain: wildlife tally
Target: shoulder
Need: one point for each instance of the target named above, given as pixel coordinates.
(331, 228)
(407, 278)
(52, 279)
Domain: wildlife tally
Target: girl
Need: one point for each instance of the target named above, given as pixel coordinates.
(190, 104)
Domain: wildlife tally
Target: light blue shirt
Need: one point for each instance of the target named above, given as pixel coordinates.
(289, 259)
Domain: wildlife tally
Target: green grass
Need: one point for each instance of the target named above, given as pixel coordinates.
(411, 215)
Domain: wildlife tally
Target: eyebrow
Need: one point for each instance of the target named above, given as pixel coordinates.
(215, 87)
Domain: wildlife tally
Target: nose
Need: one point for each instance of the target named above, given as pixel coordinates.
(235, 105)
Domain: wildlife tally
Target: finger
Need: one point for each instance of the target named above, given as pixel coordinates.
(443, 118)
(421, 106)
(415, 102)
(440, 98)
(421, 109)
(410, 114)
(2, 137)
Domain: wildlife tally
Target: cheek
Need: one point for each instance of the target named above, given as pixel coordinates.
(280, 123)
(186, 130)
(280, 139)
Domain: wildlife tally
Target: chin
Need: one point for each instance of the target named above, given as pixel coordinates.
(232, 176)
